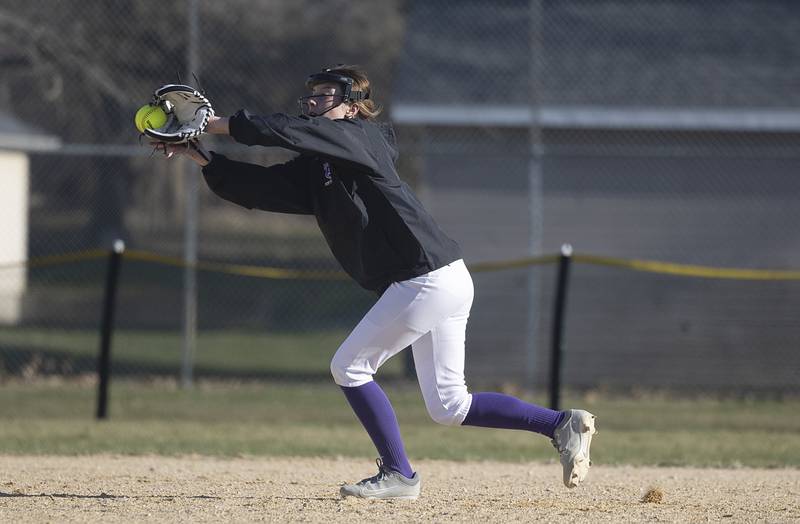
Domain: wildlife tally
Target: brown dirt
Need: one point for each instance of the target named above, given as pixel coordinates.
(196, 489)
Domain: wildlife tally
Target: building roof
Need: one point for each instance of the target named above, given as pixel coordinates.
(604, 57)
(18, 135)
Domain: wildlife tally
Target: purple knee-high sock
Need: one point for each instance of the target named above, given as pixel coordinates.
(495, 410)
(373, 409)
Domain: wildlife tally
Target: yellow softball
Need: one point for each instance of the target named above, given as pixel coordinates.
(149, 117)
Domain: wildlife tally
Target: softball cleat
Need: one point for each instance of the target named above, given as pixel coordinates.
(387, 484)
(573, 438)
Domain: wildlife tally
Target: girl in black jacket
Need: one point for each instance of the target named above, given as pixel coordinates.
(386, 241)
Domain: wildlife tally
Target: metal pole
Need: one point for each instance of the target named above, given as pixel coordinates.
(535, 211)
(107, 328)
(558, 326)
(190, 225)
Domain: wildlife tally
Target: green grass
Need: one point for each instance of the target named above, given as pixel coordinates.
(313, 419)
(229, 353)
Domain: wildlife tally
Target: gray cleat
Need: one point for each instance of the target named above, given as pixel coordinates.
(387, 484)
(572, 439)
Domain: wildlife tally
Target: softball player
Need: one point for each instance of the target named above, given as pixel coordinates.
(384, 239)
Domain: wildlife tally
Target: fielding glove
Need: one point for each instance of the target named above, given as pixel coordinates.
(188, 112)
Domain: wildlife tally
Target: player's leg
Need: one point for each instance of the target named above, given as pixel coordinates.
(439, 360)
(405, 311)
(570, 431)
(441, 377)
(440, 366)
(497, 410)
(373, 341)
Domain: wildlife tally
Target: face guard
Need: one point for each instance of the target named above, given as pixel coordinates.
(348, 94)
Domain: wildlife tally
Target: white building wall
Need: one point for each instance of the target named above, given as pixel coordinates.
(14, 175)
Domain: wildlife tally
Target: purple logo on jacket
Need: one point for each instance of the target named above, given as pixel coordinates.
(326, 172)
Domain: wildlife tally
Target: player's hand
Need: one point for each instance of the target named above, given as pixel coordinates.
(194, 150)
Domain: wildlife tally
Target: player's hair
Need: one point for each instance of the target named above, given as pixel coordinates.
(367, 109)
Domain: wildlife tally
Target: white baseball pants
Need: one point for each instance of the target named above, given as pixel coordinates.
(429, 313)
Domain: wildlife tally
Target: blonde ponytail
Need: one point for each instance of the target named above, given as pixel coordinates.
(367, 108)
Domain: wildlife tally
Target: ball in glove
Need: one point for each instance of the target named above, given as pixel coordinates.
(148, 117)
(187, 110)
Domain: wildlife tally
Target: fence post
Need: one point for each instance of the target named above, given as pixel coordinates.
(190, 226)
(558, 325)
(107, 328)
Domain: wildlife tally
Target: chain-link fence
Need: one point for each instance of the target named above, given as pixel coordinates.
(665, 130)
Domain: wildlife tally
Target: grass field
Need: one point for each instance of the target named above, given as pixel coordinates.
(228, 353)
(286, 414)
(313, 419)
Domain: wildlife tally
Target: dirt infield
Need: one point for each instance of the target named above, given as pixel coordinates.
(195, 489)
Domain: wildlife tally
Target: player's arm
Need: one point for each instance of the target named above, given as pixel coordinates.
(280, 188)
(343, 140)
(218, 125)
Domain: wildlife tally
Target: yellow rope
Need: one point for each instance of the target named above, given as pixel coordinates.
(54, 260)
(689, 270)
(650, 266)
(236, 269)
(513, 264)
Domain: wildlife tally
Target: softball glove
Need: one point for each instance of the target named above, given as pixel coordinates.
(188, 112)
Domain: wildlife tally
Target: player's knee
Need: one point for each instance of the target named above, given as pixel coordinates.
(444, 416)
(346, 373)
(448, 410)
(339, 371)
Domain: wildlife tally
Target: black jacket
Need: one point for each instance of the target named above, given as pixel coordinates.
(345, 176)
